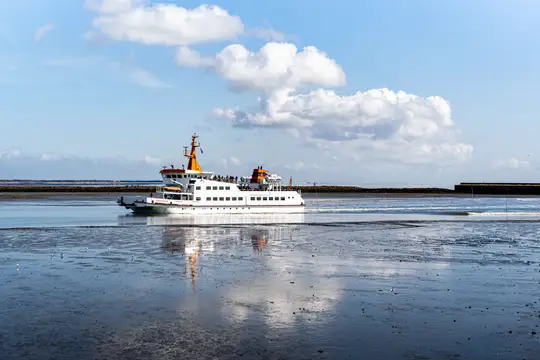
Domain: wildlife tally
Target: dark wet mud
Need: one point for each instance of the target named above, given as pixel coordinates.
(382, 290)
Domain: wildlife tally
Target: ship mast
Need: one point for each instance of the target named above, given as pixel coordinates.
(193, 164)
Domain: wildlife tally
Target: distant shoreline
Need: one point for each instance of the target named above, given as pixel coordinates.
(26, 191)
(149, 189)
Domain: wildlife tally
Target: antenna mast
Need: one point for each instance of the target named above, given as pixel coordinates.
(193, 164)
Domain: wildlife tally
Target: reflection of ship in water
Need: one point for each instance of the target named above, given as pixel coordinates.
(194, 241)
(258, 241)
(227, 219)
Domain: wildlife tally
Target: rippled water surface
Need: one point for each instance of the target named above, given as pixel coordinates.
(83, 280)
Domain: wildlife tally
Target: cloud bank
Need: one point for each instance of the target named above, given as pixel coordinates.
(15, 164)
(511, 163)
(380, 123)
(169, 24)
(296, 88)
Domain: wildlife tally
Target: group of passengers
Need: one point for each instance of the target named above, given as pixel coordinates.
(228, 178)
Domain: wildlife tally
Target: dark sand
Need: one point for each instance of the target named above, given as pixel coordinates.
(383, 290)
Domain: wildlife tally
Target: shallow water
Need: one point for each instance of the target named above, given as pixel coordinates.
(81, 279)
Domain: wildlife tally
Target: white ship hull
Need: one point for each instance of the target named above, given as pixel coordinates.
(144, 205)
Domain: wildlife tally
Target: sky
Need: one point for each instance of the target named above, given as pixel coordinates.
(370, 93)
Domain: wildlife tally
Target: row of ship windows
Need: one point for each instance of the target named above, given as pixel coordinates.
(219, 208)
(214, 188)
(259, 198)
(186, 176)
(270, 198)
(223, 199)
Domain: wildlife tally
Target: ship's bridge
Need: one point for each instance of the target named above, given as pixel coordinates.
(174, 176)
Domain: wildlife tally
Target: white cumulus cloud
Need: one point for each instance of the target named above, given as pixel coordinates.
(293, 86)
(112, 6)
(511, 163)
(51, 157)
(145, 78)
(300, 165)
(274, 67)
(373, 124)
(191, 58)
(231, 161)
(268, 34)
(150, 160)
(10, 154)
(165, 24)
(42, 31)
(169, 24)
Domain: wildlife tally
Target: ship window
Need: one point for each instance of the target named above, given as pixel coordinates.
(198, 188)
(220, 199)
(169, 176)
(198, 199)
(214, 199)
(208, 188)
(265, 198)
(283, 198)
(240, 198)
(233, 199)
(214, 187)
(270, 198)
(227, 188)
(208, 199)
(221, 188)
(228, 199)
(258, 198)
(252, 198)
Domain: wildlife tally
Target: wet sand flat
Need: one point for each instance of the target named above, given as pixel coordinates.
(327, 287)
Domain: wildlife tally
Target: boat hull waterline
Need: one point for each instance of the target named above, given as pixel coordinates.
(141, 205)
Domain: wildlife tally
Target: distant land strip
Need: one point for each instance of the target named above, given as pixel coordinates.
(149, 189)
(462, 188)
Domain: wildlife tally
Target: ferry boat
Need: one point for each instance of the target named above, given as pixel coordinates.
(194, 191)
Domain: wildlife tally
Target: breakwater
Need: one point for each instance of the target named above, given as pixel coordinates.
(498, 188)
(359, 190)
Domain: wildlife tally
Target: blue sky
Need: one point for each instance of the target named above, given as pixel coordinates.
(101, 89)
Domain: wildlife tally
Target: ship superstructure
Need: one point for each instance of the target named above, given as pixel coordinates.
(194, 191)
